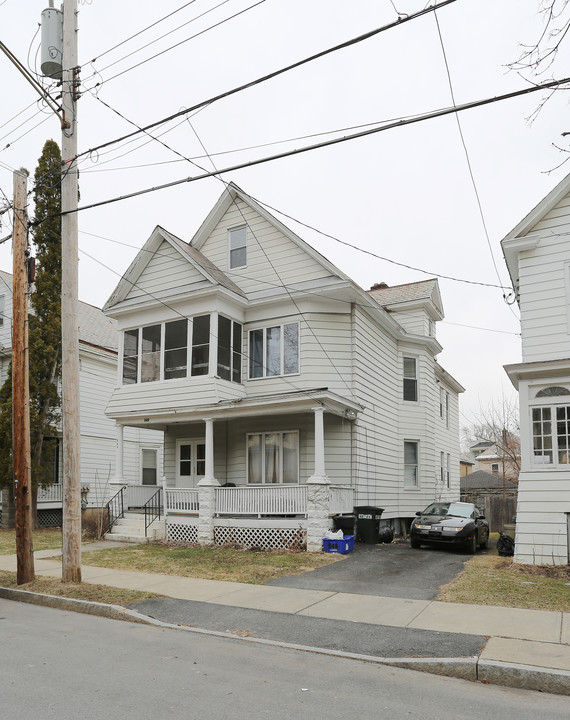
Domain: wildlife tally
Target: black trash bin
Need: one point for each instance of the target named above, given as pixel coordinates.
(345, 523)
(367, 523)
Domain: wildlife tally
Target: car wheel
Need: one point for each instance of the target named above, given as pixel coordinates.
(416, 544)
(471, 546)
(485, 544)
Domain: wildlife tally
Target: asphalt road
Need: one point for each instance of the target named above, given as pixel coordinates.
(393, 570)
(61, 665)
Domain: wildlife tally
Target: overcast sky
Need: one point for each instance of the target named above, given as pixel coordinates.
(410, 194)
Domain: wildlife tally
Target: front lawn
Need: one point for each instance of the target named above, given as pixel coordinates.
(488, 579)
(218, 563)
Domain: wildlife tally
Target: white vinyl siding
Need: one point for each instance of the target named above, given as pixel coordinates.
(272, 259)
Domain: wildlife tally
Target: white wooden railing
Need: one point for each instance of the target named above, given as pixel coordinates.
(262, 500)
(342, 500)
(135, 496)
(51, 494)
(181, 500)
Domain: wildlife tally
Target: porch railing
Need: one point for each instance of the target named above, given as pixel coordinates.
(181, 500)
(152, 510)
(136, 496)
(265, 500)
(51, 494)
(342, 500)
(115, 508)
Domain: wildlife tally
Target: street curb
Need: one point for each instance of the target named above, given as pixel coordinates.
(530, 677)
(493, 672)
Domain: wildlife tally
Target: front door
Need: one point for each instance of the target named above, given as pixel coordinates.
(190, 462)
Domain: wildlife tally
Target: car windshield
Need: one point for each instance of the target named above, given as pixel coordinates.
(464, 510)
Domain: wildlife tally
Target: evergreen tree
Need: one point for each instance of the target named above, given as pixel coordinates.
(44, 332)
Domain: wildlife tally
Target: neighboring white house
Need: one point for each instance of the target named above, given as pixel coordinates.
(98, 344)
(537, 253)
(266, 366)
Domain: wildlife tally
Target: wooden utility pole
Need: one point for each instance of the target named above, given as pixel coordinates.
(21, 386)
(71, 550)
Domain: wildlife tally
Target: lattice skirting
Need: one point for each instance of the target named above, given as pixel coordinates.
(46, 518)
(50, 518)
(265, 538)
(181, 532)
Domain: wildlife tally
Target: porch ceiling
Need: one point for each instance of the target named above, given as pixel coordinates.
(283, 404)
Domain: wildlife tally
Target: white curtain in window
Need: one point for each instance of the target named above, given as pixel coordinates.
(272, 458)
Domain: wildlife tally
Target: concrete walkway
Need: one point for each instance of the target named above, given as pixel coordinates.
(524, 648)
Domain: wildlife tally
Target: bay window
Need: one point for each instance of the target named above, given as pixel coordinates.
(274, 351)
(229, 349)
(179, 348)
(551, 435)
(273, 457)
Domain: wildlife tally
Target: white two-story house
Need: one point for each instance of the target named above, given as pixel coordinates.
(266, 366)
(98, 347)
(537, 253)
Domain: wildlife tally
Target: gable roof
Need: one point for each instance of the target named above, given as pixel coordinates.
(223, 204)
(517, 239)
(192, 255)
(399, 296)
(95, 328)
(484, 481)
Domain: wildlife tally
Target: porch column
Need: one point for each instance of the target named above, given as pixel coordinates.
(318, 490)
(207, 491)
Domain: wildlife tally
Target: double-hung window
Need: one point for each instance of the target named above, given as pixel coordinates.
(273, 457)
(410, 379)
(175, 349)
(237, 244)
(448, 472)
(274, 351)
(150, 353)
(411, 464)
(200, 345)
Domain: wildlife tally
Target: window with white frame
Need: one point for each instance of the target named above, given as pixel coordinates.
(237, 247)
(444, 406)
(411, 463)
(410, 387)
(448, 472)
(273, 457)
(442, 467)
(446, 409)
(229, 349)
(551, 435)
(176, 349)
(1, 309)
(274, 351)
(149, 466)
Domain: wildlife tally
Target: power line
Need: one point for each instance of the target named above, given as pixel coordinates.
(467, 158)
(335, 141)
(224, 2)
(276, 73)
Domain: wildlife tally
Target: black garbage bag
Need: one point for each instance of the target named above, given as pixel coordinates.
(505, 545)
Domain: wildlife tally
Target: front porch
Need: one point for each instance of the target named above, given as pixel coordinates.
(267, 517)
(254, 473)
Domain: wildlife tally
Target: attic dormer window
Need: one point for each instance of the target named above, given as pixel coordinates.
(237, 243)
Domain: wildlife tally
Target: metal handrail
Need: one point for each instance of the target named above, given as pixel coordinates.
(115, 508)
(152, 510)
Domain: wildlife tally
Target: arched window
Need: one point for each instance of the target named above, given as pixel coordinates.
(554, 391)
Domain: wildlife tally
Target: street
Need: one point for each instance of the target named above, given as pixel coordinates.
(64, 665)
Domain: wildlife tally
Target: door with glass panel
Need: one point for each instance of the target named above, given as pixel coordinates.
(190, 462)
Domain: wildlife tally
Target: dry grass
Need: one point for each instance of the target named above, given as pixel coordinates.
(43, 539)
(492, 580)
(209, 563)
(79, 591)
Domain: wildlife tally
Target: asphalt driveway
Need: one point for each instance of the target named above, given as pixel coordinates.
(393, 570)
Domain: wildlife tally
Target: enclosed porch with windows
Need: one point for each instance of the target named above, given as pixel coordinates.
(268, 472)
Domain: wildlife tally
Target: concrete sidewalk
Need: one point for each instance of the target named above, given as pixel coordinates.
(523, 648)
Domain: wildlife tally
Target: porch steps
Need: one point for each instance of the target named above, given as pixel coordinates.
(128, 529)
